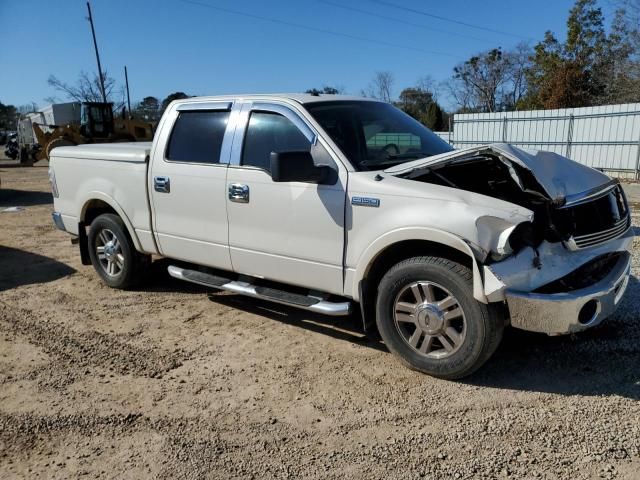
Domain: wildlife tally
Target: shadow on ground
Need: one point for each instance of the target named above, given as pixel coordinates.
(342, 328)
(604, 360)
(23, 198)
(18, 267)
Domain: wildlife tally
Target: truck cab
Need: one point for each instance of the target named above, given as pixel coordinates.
(339, 204)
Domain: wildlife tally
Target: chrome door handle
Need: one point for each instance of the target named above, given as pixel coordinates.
(162, 184)
(239, 193)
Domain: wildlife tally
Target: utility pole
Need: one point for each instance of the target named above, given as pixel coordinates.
(126, 81)
(95, 46)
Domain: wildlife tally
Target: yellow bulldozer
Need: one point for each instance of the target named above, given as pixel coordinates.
(97, 125)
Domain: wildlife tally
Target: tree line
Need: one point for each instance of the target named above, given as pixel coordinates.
(592, 66)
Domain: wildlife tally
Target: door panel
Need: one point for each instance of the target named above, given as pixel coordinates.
(291, 232)
(189, 198)
(191, 220)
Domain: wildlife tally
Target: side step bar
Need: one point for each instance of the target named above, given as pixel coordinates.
(297, 300)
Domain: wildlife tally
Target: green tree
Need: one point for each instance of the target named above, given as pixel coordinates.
(421, 105)
(148, 109)
(589, 68)
(415, 101)
(435, 118)
(326, 90)
(170, 98)
(8, 115)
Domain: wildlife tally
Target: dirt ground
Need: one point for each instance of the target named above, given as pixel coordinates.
(174, 381)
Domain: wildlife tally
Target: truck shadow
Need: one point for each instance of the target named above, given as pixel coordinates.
(342, 328)
(24, 198)
(348, 328)
(18, 268)
(604, 360)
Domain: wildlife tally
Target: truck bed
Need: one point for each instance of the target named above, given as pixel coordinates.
(115, 173)
(136, 152)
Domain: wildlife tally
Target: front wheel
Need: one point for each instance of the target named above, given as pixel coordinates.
(427, 315)
(113, 254)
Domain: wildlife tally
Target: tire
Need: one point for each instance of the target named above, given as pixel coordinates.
(447, 333)
(113, 254)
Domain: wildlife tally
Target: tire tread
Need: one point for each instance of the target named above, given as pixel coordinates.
(491, 315)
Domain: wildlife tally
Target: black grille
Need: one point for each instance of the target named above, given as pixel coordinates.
(592, 239)
(597, 220)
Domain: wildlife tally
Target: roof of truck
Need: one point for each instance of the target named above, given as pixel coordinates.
(296, 97)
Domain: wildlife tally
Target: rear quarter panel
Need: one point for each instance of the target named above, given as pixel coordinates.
(122, 185)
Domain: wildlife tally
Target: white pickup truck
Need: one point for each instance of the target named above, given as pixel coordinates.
(325, 202)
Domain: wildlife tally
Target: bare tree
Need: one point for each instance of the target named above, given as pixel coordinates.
(461, 94)
(27, 108)
(87, 89)
(429, 84)
(519, 62)
(381, 87)
(484, 76)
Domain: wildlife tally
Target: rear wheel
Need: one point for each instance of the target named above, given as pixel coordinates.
(113, 254)
(427, 315)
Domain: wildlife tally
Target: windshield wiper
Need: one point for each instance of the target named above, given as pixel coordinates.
(408, 155)
(393, 159)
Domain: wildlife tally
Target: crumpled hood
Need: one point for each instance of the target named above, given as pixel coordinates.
(559, 176)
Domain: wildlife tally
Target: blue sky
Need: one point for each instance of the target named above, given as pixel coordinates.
(171, 45)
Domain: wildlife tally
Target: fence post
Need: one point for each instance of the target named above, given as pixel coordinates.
(451, 125)
(569, 136)
(504, 129)
(637, 175)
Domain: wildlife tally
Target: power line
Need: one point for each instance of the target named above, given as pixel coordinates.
(317, 30)
(404, 22)
(445, 19)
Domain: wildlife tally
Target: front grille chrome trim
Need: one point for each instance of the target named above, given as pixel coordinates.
(598, 238)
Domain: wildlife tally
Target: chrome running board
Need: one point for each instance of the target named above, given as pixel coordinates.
(306, 302)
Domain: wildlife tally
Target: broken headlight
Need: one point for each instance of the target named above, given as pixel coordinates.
(523, 236)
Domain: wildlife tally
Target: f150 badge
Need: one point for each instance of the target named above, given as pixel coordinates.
(365, 201)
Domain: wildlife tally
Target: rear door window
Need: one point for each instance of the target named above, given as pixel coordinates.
(197, 136)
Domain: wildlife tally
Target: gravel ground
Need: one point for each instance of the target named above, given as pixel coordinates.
(173, 381)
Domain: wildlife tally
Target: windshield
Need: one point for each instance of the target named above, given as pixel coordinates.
(375, 135)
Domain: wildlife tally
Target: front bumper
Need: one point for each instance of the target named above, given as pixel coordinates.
(568, 312)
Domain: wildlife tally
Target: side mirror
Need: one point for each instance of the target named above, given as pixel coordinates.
(297, 167)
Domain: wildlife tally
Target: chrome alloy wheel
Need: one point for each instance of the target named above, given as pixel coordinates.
(429, 319)
(109, 252)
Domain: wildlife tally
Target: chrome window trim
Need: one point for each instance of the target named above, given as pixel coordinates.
(225, 148)
(243, 122)
(185, 107)
(290, 115)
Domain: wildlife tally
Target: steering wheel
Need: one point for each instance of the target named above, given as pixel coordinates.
(390, 150)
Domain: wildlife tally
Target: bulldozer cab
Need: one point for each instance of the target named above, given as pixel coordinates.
(96, 120)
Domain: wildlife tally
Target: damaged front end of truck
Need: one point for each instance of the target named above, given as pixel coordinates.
(567, 267)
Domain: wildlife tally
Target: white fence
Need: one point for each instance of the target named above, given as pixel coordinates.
(606, 138)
